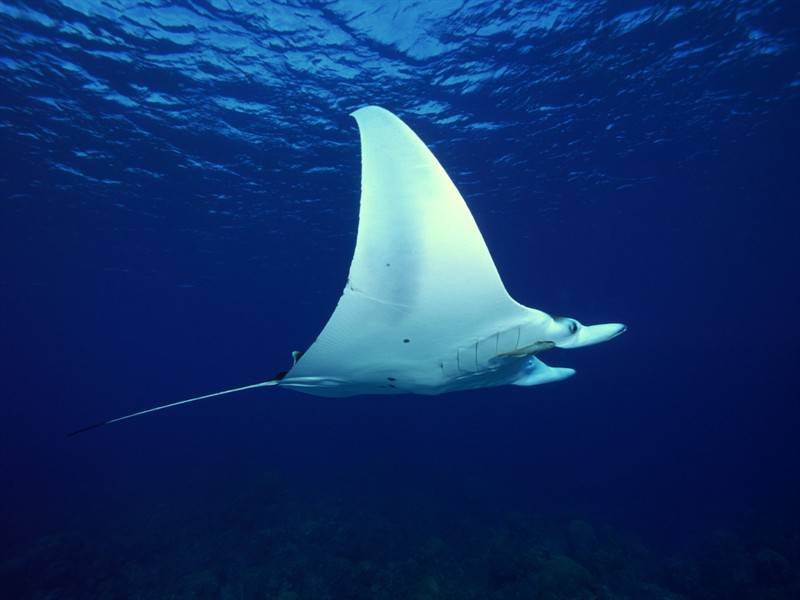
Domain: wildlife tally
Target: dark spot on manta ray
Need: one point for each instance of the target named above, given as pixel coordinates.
(391, 385)
(405, 341)
(391, 379)
(388, 264)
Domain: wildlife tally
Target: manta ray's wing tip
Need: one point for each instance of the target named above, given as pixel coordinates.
(366, 110)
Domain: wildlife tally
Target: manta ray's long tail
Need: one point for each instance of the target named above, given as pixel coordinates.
(269, 383)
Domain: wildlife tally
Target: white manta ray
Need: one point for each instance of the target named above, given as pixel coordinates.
(424, 310)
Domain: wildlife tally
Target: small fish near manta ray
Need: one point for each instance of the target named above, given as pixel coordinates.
(424, 310)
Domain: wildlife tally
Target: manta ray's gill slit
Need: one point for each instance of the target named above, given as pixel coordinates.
(468, 354)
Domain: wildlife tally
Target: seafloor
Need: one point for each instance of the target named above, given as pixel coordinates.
(263, 541)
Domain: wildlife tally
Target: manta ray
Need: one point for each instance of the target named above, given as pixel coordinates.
(424, 310)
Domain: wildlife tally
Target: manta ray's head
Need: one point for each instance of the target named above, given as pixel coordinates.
(569, 333)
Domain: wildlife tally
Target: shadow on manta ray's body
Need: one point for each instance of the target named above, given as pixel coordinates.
(424, 310)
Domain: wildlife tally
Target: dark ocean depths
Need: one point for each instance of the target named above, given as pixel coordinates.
(180, 186)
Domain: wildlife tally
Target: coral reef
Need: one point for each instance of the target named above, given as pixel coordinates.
(265, 544)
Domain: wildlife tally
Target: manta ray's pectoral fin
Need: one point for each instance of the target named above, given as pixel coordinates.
(535, 372)
(528, 350)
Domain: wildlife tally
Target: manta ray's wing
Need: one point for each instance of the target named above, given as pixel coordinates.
(422, 282)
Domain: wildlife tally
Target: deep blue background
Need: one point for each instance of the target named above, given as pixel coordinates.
(179, 201)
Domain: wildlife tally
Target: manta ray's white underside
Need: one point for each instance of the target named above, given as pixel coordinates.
(424, 309)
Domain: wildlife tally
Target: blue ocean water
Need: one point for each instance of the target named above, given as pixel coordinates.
(180, 186)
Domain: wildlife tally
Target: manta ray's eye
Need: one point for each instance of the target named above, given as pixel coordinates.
(573, 327)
